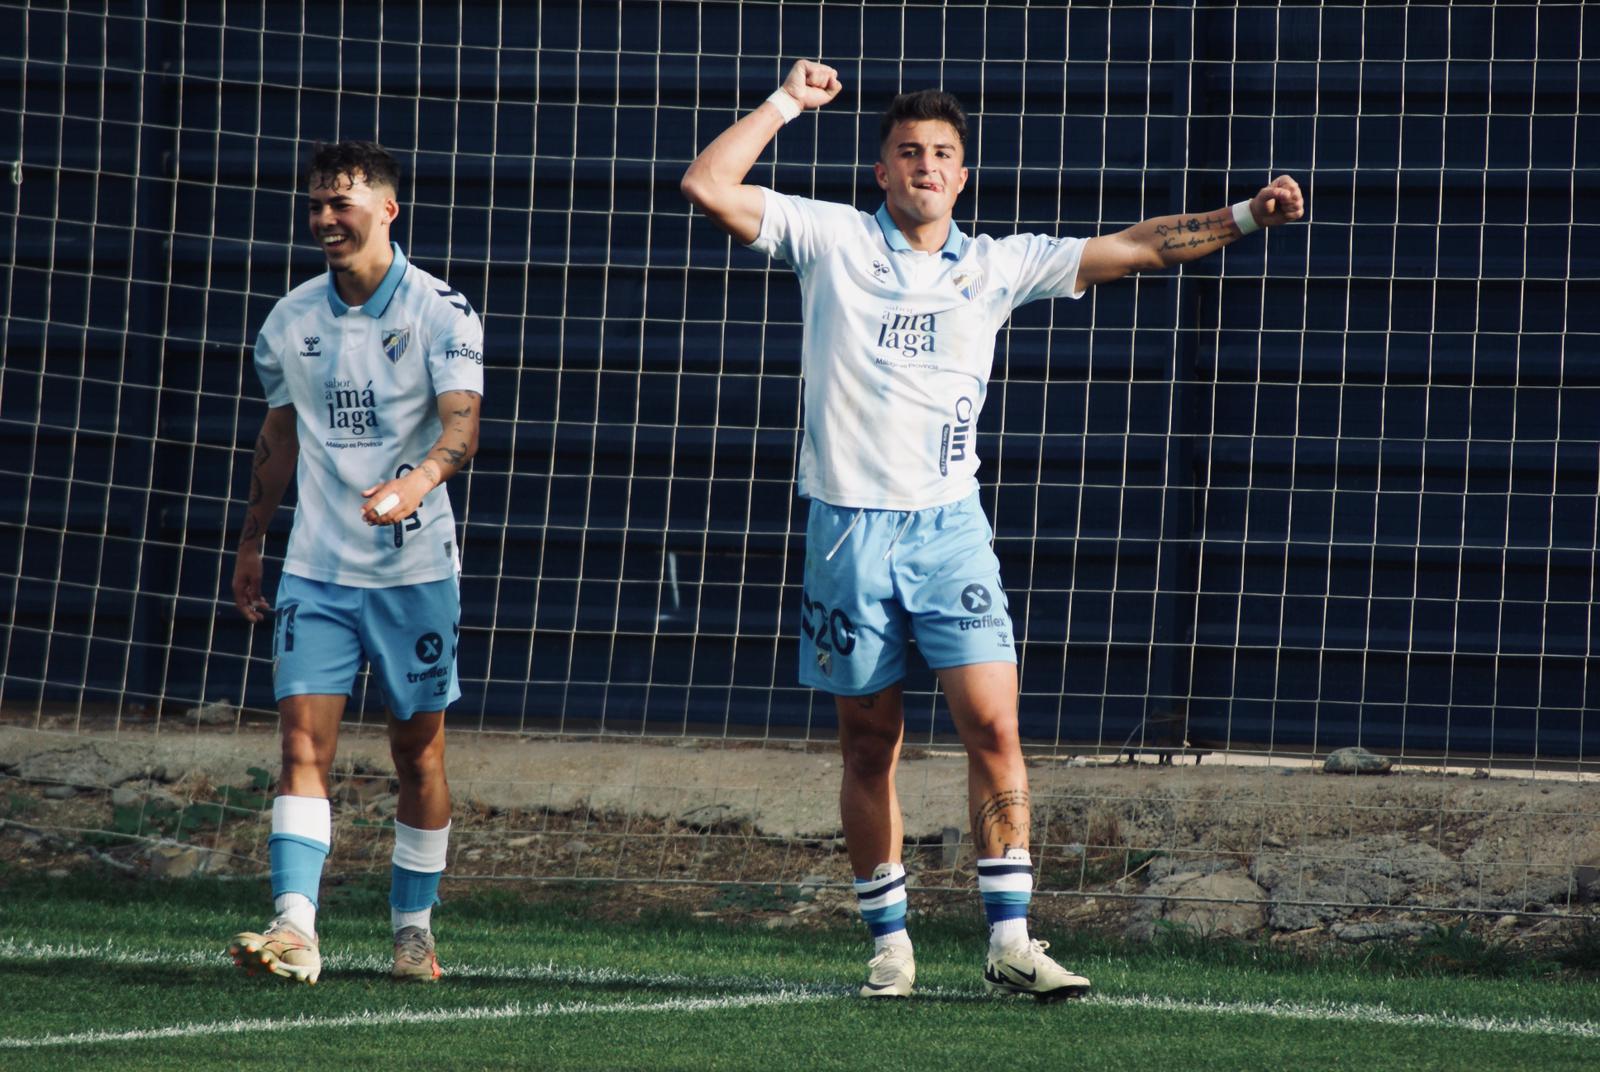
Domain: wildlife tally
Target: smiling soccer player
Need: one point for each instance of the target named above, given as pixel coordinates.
(900, 313)
(373, 374)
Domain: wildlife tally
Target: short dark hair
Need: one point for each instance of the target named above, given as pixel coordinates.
(924, 104)
(364, 160)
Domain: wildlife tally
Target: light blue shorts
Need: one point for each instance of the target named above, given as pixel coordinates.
(875, 578)
(322, 631)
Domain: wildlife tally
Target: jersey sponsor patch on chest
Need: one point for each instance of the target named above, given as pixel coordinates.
(905, 336)
(352, 411)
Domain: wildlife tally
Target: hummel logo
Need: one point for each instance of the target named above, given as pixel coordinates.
(461, 303)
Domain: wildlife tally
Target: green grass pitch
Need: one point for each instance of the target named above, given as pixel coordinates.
(99, 972)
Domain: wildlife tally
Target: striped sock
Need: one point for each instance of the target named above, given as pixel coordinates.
(883, 905)
(1006, 885)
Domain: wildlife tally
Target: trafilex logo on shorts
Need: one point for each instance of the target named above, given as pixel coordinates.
(352, 409)
(975, 599)
(953, 442)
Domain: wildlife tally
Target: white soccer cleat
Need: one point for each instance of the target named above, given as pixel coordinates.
(282, 950)
(1023, 968)
(893, 971)
(414, 958)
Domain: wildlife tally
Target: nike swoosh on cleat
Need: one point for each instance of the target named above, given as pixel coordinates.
(1030, 978)
(877, 986)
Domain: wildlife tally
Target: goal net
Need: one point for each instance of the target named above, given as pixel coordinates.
(1335, 486)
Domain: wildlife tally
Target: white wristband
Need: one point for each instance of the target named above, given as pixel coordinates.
(787, 106)
(1244, 219)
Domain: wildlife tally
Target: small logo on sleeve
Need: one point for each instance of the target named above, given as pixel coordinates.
(464, 352)
(457, 299)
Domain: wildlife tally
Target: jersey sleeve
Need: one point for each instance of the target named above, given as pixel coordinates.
(1046, 267)
(455, 352)
(798, 230)
(269, 369)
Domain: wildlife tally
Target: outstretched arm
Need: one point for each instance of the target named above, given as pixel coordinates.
(1164, 241)
(715, 181)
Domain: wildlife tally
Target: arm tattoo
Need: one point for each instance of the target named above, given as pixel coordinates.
(252, 526)
(1003, 818)
(1191, 233)
(454, 455)
(263, 452)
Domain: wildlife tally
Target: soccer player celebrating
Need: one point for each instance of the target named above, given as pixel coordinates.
(374, 377)
(900, 312)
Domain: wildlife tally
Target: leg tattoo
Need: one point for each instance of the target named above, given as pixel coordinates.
(1002, 821)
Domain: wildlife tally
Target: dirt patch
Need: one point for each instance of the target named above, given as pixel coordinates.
(750, 829)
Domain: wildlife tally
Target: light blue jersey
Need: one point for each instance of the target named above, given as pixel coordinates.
(364, 383)
(898, 346)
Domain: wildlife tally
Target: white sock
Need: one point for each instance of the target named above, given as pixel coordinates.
(1006, 933)
(899, 938)
(297, 909)
(422, 918)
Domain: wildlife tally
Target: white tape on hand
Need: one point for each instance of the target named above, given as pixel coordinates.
(385, 504)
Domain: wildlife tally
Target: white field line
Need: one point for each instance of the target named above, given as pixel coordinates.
(1376, 1015)
(10, 949)
(771, 991)
(379, 1018)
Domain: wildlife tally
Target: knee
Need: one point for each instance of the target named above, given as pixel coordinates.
(994, 736)
(871, 755)
(420, 763)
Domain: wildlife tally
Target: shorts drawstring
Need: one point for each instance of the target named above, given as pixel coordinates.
(910, 516)
(845, 535)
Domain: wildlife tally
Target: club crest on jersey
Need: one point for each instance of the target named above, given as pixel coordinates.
(969, 284)
(395, 343)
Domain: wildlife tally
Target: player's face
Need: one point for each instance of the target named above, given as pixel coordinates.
(920, 170)
(350, 220)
